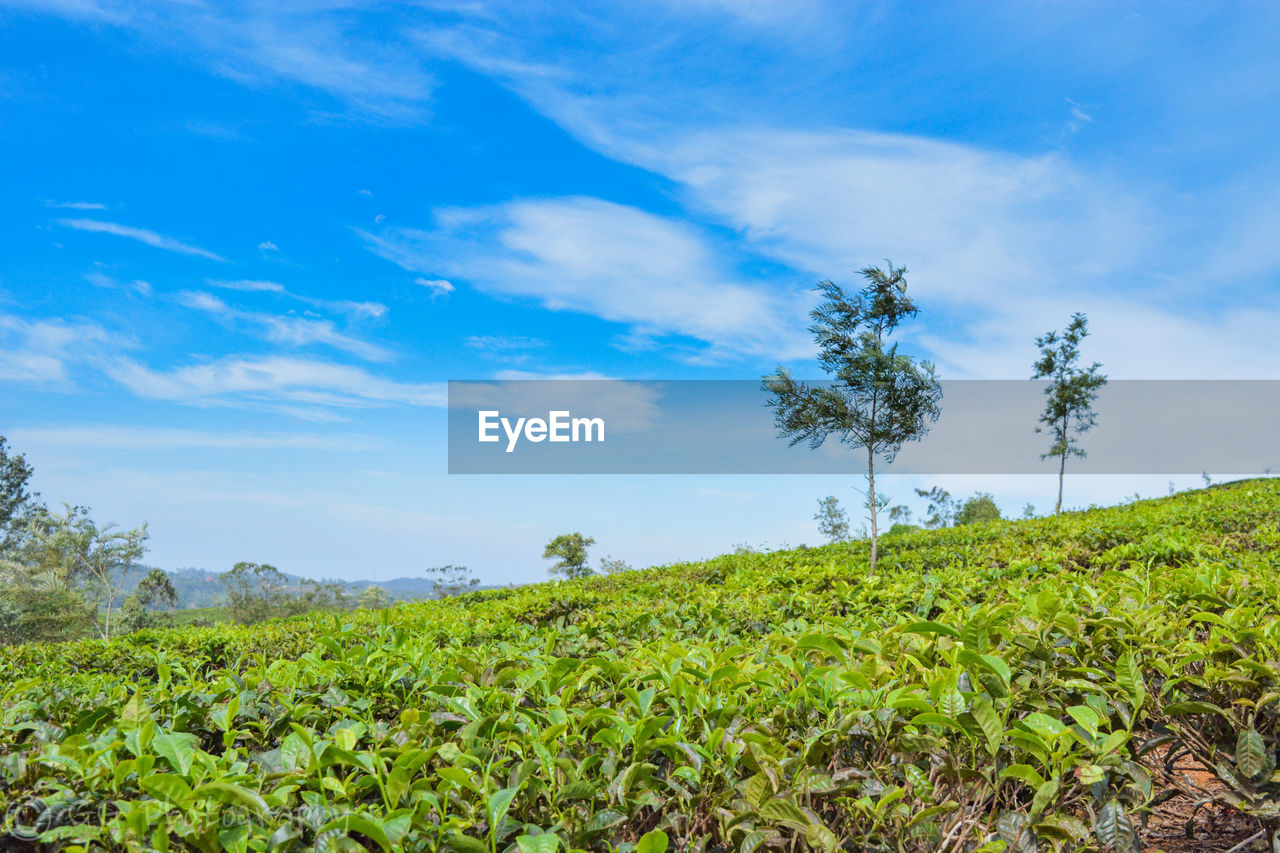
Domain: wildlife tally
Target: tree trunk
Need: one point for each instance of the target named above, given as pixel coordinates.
(871, 502)
(1062, 469)
(1062, 464)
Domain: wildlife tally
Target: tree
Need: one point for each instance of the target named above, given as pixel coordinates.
(15, 474)
(942, 508)
(1068, 411)
(1029, 511)
(978, 509)
(255, 591)
(373, 597)
(97, 558)
(833, 522)
(155, 591)
(450, 580)
(571, 549)
(878, 398)
(610, 566)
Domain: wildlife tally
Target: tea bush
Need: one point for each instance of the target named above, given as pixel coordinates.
(990, 687)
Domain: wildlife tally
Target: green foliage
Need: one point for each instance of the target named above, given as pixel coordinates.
(1070, 392)
(15, 500)
(978, 509)
(989, 687)
(833, 521)
(373, 597)
(942, 507)
(878, 399)
(570, 549)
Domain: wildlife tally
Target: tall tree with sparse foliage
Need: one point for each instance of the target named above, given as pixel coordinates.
(1071, 391)
(571, 550)
(833, 521)
(878, 398)
(450, 580)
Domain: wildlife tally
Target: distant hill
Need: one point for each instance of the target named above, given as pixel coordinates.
(203, 588)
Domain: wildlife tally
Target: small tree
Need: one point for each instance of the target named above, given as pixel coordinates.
(878, 398)
(373, 597)
(450, 580)
(100, 559)
(941, 509)
(255, 591)
(1068, 412)
(833, 522)
(610, 566)
(571, 549)
(1029, 511)
(155, 592)
(978, 509)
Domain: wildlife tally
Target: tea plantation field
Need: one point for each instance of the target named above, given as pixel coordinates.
(1011, 686)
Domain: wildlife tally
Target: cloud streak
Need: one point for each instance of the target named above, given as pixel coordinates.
(142, 235)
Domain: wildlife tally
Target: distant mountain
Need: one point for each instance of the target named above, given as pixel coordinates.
(203, 588)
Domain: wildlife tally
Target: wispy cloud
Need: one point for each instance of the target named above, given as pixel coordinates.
(287, 329)
(76, 205)
(503, 343)
(660, 277)
(142, 235)
(268, 246)
(307, 383)
(137, 286)
(247, 285)
(40, 351)
(349, 307)
(437, 286)
(377, 77)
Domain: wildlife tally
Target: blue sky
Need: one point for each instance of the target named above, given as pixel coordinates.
(243, 246)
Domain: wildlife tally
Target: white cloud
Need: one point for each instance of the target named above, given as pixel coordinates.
(40, 351)
(151, 238)
(658, 276)
(76, 205)
(138, 286)
(437, 286)
(249, 285)
(287, 329)
(306, 383)
(503, 343)
(351, 308)
(268, 246)
(322, 47)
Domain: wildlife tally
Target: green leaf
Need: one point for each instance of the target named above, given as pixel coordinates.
(1251, 753)
(1113, 827)
(499, 803)
(985, 713)
(231, 795)
(361, 824)
(547, 842)
(166, 787)
(1129, 677)
(178, 748)
(928, 627)
(652, 842)
(460, 843)
(821, 642)
(784, 811)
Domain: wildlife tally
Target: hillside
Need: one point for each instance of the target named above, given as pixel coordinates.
(1015, 685)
